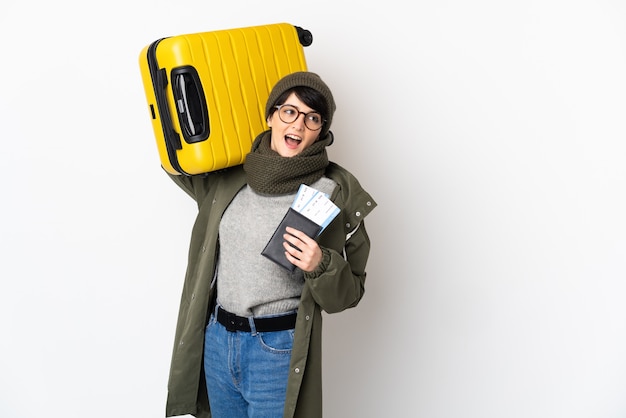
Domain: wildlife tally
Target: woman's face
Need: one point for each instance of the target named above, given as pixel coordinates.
(290, 139)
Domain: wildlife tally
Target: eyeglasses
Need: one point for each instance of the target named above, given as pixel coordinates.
(289, 114)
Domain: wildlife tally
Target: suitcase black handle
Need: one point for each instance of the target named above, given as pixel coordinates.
(190, 104)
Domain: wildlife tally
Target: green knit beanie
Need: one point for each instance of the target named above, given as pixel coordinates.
(307, 79)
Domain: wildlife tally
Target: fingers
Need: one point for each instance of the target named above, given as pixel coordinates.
(306, 255)
(294, 245)
(301, 236)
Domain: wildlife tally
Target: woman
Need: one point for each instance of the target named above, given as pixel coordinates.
(248, 338)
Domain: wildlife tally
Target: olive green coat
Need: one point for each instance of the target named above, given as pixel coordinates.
(337, 284)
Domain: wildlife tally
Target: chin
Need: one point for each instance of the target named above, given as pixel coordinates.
(290, 153)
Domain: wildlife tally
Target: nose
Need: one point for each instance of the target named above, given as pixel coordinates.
(299, 122)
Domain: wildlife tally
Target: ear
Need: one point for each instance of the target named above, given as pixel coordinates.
(269, 122)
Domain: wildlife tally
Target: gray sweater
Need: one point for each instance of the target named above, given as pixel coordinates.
(248, 284)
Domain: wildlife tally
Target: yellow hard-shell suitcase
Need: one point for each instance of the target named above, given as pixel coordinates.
(206, 92)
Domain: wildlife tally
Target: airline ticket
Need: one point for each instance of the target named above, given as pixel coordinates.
(315, 205)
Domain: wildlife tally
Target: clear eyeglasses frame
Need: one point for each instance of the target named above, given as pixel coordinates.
(289, 114)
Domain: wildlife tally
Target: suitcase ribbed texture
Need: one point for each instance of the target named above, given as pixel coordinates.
(236, 69)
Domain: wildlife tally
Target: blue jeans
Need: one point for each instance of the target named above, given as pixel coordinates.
(246, 372)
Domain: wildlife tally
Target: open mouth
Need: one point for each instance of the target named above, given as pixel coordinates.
(292, 140)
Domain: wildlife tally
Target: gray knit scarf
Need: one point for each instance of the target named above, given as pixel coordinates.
(271, 174)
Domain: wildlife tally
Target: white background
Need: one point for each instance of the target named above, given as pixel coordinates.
(491, 134)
